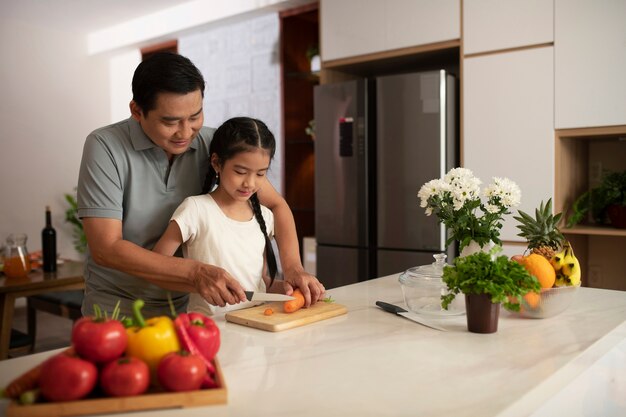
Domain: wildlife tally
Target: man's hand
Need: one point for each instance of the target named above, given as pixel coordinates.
(311, 288)
(217, 286)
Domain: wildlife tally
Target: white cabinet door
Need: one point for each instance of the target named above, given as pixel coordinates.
(590, 63)
(490, 25)
(351, 27)
(420, 22)
(508, 123)
(356, 27)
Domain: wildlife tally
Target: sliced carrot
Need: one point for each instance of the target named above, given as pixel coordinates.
(294, 305)
(268, 312)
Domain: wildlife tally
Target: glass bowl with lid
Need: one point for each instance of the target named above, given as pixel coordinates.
(423, 287)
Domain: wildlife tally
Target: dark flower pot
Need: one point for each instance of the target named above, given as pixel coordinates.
(482, 314)
(617, 215)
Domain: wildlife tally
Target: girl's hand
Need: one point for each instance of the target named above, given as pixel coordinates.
(278, 287)
(311, 288)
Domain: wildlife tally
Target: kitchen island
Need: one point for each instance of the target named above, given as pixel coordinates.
(372, 363)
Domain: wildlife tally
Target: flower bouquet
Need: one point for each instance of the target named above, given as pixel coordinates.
(456, 200)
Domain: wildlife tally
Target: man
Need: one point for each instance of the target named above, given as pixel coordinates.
(135, 173)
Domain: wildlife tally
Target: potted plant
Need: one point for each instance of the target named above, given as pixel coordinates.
(606, 201)
(71, 216)
(487, 281)
(456, 200)
(313, 56)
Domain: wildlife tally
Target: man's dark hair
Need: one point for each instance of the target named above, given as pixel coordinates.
(164, 72)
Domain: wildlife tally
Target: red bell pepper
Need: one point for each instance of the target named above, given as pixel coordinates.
(199, 335)
(205, 333)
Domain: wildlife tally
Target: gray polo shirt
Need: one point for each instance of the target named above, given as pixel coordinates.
(124, 175)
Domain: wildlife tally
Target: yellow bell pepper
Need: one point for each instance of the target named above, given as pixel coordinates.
(150, 340)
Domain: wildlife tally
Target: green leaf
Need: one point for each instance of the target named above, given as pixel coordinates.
(499, 277)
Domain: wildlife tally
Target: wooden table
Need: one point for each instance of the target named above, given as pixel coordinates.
(69, 276)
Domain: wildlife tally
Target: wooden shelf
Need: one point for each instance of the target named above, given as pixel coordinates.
(313, 77)
(299, 31)
(594, 231)
(581, 157)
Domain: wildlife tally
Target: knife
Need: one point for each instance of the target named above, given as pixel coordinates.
(391, 308)
(264, 296)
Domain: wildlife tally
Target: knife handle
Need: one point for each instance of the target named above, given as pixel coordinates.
(391, 308)
(249, 295)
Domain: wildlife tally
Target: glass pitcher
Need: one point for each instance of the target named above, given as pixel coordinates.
(16, 259)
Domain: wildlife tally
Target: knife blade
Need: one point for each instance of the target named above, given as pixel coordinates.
(391, 308)
(264, 296)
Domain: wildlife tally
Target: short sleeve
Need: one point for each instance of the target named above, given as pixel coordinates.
(100, 191)
(186, 216)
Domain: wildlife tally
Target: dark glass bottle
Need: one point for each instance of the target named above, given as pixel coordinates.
(49, 245)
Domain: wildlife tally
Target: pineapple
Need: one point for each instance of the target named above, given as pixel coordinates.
(541, 233)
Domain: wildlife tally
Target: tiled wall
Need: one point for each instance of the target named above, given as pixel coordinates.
(241, 66)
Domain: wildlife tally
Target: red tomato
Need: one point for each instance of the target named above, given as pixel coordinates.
(67, 378)
(181, 371)
(99, 340)
(125, 376)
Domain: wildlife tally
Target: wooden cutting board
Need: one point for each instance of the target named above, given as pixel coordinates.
(255, 317)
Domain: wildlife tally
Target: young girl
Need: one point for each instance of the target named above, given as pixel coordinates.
(227, 227)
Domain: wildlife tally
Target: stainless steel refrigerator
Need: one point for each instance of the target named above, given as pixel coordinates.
(377, 142)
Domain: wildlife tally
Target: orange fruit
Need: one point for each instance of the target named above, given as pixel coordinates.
(541, 268)
(532, 299)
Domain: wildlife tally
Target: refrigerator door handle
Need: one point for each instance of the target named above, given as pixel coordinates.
(443, 142)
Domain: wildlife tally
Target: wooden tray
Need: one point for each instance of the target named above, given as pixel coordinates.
(107, 405)
(254, 317)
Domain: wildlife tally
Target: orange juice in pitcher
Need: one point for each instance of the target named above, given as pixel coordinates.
(16, 259)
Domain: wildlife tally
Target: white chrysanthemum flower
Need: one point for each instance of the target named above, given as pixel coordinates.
(429, 211)
(492, 208)
(460, 197)
(508, 191)
(432, 188)
(458, 175)
(464, 189)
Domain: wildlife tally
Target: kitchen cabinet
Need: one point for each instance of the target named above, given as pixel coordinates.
(299, 33)
(508, 123)
(351, 28)
(491, 25)
(582, 156)
(590, 57)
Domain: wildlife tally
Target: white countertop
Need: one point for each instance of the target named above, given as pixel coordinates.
(372, 363)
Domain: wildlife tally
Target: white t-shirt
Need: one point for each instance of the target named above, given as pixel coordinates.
(213, 238)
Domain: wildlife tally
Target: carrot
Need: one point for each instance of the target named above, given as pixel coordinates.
(268, 312)
(294, 305)
(29, 380)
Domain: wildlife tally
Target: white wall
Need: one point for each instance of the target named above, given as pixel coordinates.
(241, 66)
(55, 91)
(53, 95)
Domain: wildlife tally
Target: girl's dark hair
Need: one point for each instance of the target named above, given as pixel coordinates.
(164, 72)
(236, 135)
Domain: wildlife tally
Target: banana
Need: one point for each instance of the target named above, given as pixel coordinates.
(560, 280)
(570, 269)
(557, 259)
